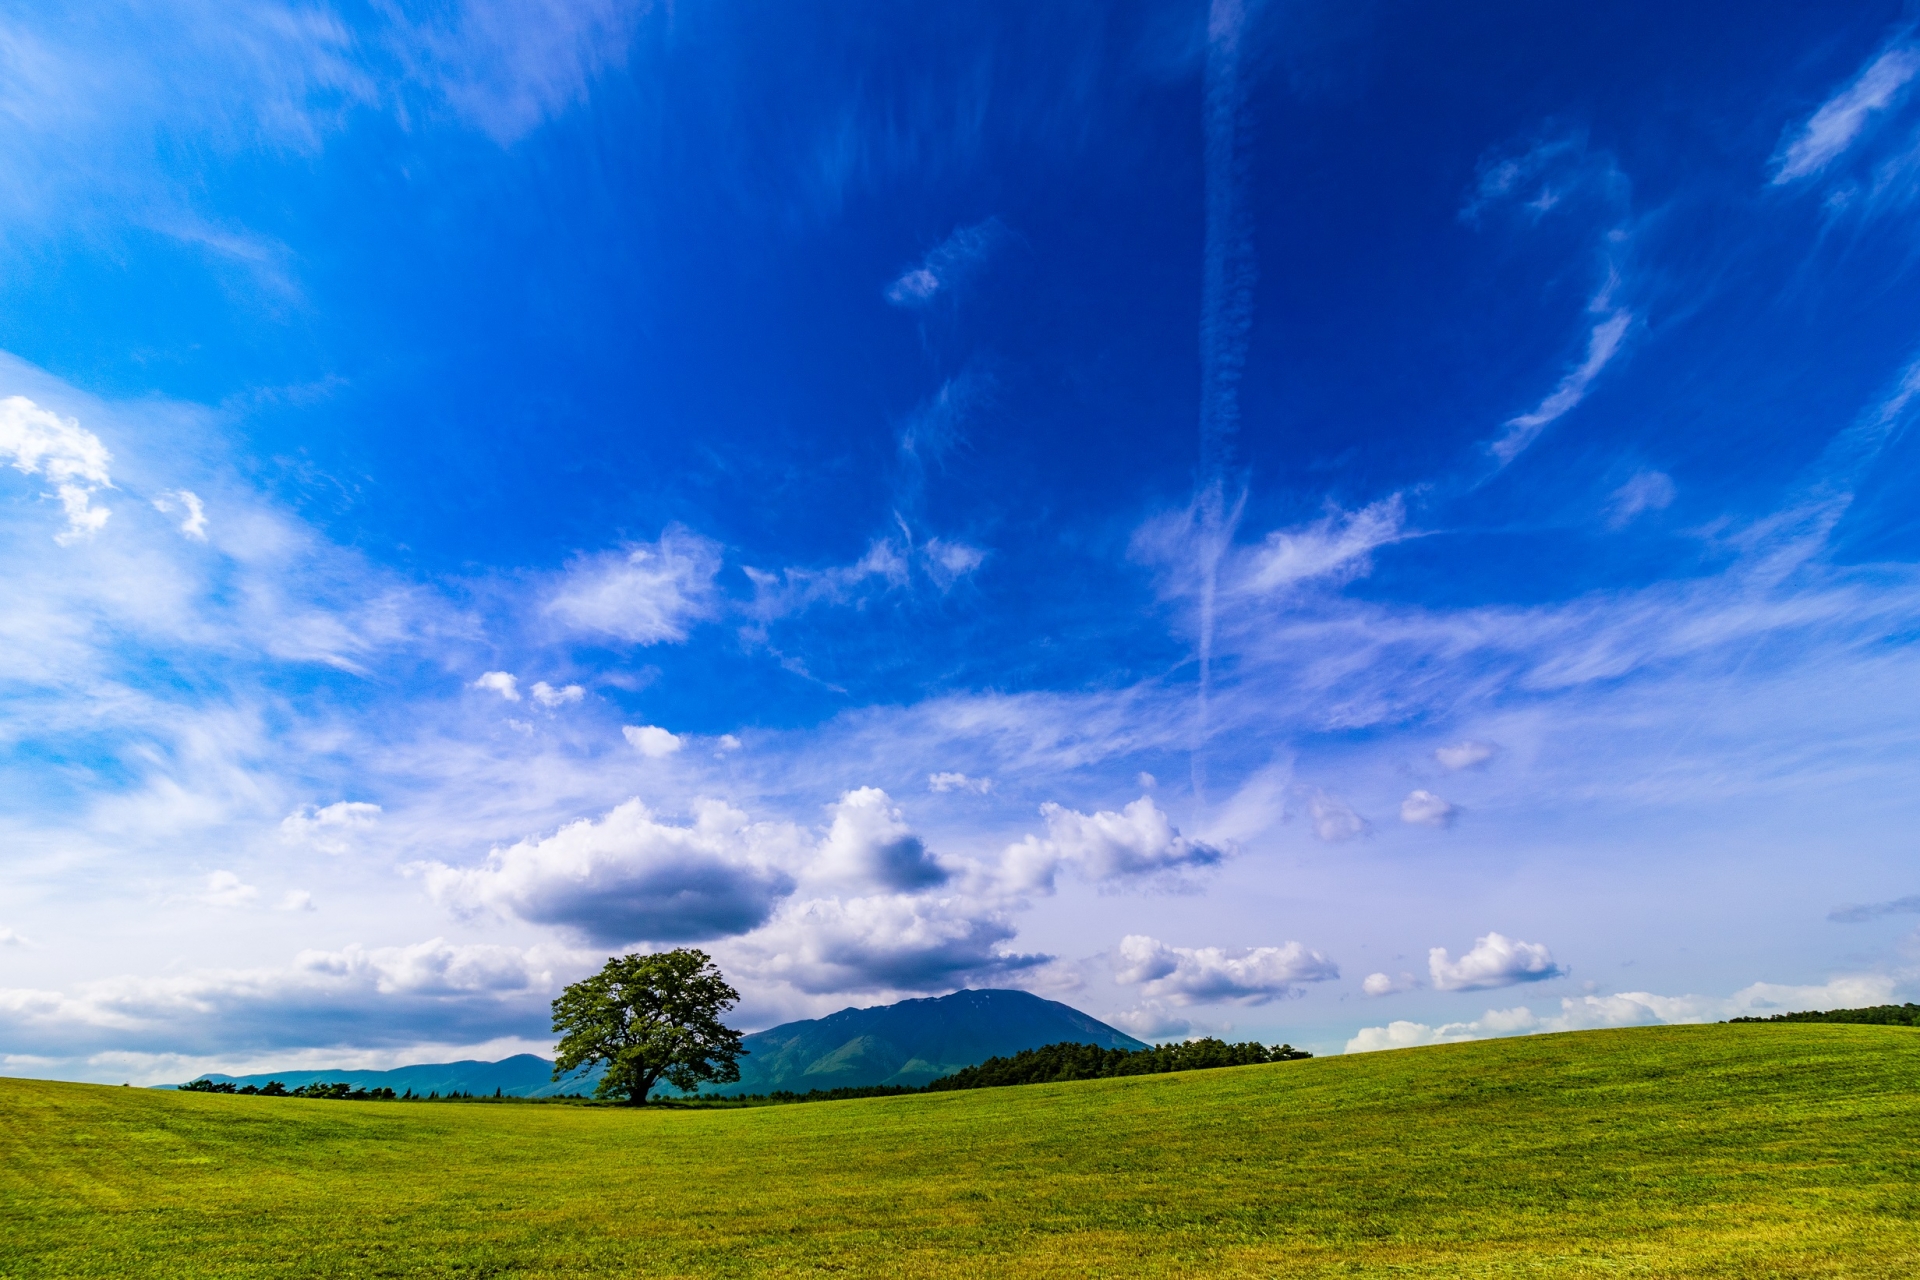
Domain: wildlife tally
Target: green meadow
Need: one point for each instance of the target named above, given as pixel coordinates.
(1771, 1150)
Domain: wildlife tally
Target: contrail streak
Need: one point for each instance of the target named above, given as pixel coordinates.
(1226, 314)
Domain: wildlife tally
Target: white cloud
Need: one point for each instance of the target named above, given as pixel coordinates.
(1495, 961)
(548, 696)
(627, 877)
(508, 66)
(429, 991)
(724, 743)
(1151, 1022)
(225, 889)
(1465, 755)
(504, 683)
(8, 938)
(888, 942)
(1337, 546)
(948, 562)
(73, 459)
(647, 594)
(1839, 120)
(194, 524)
(1647, 491)
(1382, 984)
(1636, 1008)
(295, 900)
(790, 591)
(958, 782)
(329, 829)
(1203, 975)
(1423, 808)
(1138, 841)
(1603, 343)
(1408, 1035)
(651, 741)
(869, 844)
(1334, 821)
(947, 264)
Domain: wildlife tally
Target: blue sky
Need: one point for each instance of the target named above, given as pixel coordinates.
(1355, 524)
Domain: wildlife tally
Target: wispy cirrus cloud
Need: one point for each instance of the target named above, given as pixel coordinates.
(1838, 122)
(948, 264)
(645, 594)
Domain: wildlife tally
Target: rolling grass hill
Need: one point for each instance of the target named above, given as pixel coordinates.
(1752, 1151)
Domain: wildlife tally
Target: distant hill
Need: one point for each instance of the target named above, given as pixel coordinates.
(524, 1075)
(913, 1041)
(907, 1043)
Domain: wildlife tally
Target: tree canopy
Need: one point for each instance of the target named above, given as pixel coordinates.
(649, 1018)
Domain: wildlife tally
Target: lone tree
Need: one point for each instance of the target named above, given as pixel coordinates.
(649, 1018)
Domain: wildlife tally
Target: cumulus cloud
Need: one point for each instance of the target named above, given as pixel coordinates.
(74, 460)
(1647, 491)
(1861, 913)
(1425, 809)
(870, 844)
(504, 683)
(947, 265)
(1334, 821)
(1408, 1035)
(225, 889)
(1465, 755)
(1838, 121)
(1138, 841)
(433, 990)
(958, 782)
(646, 594)
(887, 942)
(627, 877)
(1152, 1022)
(1205, 975)
(1495, 961)
(651, 741)
(329, 829)
(548, 696)
(295, 900)
(1335, 547)
(1383, 984)
(187, 504)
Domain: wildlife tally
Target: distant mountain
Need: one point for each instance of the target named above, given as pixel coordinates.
(913, 1041)
(522, 1076)
(907, 1043)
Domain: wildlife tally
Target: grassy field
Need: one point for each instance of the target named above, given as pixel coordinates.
(1751, 1151)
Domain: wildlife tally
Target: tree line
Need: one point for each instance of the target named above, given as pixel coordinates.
(1879, 1015)
(341, 1091)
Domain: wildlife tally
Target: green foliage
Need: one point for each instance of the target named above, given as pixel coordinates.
(649, 1018)
(1740, 1152)
(1879, 1015)
(1057, 1062)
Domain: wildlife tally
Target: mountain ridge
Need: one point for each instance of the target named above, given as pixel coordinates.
(909, 1042)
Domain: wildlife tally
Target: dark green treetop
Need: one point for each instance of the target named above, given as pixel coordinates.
(649, 1018)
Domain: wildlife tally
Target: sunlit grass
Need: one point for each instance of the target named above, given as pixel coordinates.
(1753, 1151)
